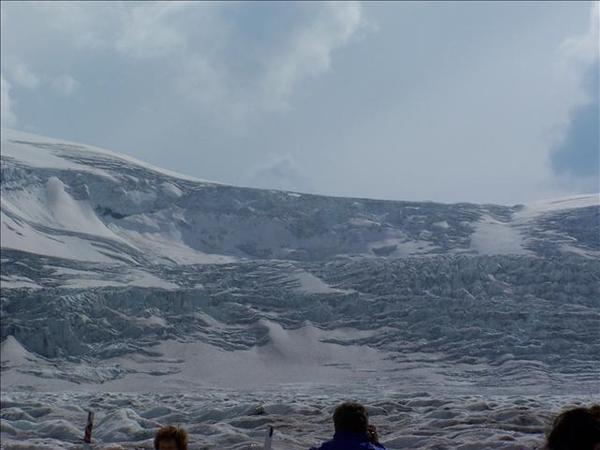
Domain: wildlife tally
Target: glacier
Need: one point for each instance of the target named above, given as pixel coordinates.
(133, 290)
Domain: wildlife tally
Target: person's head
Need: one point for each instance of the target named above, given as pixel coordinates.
(351, 417)
(171, 438)
(576, 429)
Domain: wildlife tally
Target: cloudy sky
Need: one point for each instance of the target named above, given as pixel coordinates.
(483, 102)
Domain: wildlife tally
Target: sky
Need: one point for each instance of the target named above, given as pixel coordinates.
(478, 102)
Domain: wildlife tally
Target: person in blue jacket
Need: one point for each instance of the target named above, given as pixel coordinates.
(352, 430)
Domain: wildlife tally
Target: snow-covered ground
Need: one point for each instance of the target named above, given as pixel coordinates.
(301, 415)
(156, 298)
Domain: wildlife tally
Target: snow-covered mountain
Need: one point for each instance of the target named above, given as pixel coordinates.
(81, 203)
(121, 277)
(109, 260)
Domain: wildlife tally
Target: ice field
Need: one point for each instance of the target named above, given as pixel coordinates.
(154, 298)
(301, 416)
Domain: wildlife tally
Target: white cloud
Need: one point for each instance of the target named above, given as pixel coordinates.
(202, 48)
(280, 172)
(578, 53)
(310, 49)
(22, 76)
(86, 25)
(574, 156)
(65, 84)
(274, 71)
(585, 48)
(145, 31)
(8, 117)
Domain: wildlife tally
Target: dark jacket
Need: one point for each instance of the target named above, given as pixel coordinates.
(349, 441)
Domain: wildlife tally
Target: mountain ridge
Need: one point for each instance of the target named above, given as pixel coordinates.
(122, 201)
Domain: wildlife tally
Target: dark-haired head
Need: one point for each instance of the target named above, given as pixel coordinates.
(576, 429)
(351, 417)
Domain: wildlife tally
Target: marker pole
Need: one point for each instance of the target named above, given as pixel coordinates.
(87, 438)
(269, 437)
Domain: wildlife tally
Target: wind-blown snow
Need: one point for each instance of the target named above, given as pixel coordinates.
(13, 354)
(312, 284)
(17, 282)
(18, 234)
(561, 204)
(495, 237)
